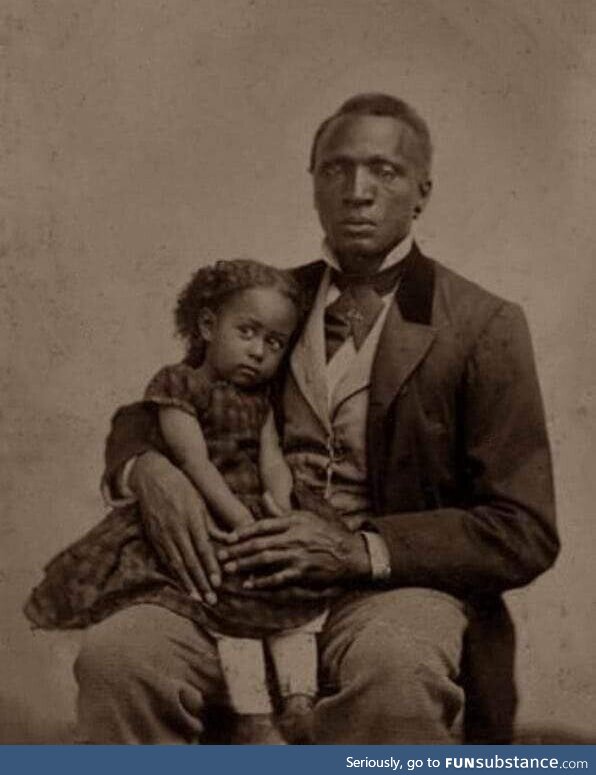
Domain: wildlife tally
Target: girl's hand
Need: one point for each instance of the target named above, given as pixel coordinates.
(273, 507)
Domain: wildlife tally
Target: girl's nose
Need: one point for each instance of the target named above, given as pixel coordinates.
(257, 348)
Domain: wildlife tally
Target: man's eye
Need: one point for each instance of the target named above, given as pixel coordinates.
(386, 172)
(332, 170)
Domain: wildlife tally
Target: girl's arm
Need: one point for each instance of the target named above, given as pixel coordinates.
(184, 436)
(275, 472)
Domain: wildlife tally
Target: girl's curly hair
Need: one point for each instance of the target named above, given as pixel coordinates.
(211, 286)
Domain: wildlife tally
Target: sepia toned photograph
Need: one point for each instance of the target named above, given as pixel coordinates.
(299, 430)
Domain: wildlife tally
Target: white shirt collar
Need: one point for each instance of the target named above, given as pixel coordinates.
(399, 252)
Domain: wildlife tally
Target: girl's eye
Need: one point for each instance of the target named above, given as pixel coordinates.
(275, 344)
(246, 331)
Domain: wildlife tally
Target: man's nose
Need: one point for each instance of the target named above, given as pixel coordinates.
(359, 186)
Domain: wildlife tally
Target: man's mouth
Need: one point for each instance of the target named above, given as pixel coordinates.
(358, 225)
(358, 222)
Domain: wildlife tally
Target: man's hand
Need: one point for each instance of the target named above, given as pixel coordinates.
(296, 548)
(177, 522)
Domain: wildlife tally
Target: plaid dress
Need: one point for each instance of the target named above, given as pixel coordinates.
(114, 565)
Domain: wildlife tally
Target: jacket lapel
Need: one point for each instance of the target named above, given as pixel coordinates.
(402, 346)
(406, 338)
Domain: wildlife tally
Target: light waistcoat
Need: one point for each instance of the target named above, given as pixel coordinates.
(325, 406)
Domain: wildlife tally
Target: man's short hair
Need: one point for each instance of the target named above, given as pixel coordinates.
(378, 104)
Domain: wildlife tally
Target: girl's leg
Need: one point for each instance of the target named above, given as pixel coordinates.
(294, 655)
(243, 666)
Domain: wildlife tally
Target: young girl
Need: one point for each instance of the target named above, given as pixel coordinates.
(214, 414)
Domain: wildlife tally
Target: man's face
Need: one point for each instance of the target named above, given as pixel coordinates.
(368, 187)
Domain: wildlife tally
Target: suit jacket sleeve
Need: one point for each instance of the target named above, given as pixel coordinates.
(134, 430)
(502, 534)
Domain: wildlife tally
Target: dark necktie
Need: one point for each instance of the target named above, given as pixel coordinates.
(359, 304)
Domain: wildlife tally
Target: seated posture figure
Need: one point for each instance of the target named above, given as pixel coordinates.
(409, 396)
(214, 414)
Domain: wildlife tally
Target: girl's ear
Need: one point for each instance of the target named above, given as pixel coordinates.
(206, 323)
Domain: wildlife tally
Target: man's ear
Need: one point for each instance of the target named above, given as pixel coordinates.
(424, 187)
(206, 323)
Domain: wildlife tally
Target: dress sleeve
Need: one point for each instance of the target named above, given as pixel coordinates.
(179, 386)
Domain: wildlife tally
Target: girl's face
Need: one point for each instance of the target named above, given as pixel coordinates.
(248, 335)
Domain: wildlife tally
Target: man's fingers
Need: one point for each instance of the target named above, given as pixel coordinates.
(253, 546)
(195, 570)
(278, 579)
(268, 526)
(177, 564)
(206, 553)
(175, 517)
(262, 559)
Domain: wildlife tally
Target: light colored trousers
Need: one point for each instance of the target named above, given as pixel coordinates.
(147, 675)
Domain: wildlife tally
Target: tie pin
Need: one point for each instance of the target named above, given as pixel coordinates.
(354, 315)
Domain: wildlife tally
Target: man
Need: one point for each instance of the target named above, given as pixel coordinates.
(410, 396)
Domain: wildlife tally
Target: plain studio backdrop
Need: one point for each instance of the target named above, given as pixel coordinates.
(141, 139)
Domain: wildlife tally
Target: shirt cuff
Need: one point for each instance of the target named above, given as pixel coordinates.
(380, 562)
(120, 494)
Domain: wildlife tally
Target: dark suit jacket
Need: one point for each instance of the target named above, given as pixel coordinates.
(459, 463)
